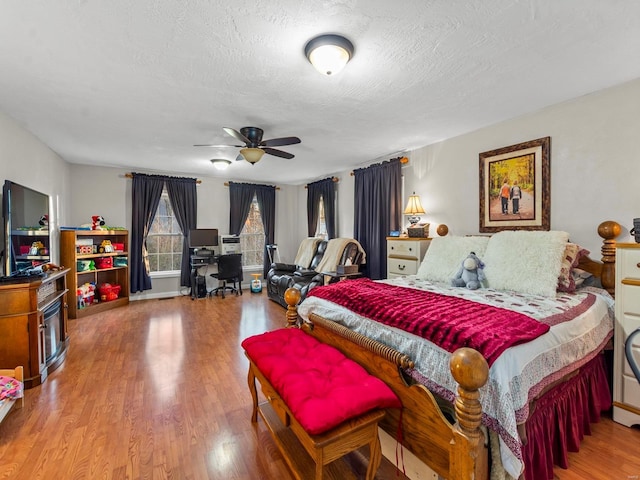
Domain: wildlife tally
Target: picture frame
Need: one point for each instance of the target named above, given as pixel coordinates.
(521, 172)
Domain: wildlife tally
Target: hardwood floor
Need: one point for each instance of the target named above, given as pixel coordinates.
(158, 390)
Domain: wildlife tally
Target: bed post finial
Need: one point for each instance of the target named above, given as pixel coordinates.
(292, 297)
(470, 370)
(468, 457)
(609, 230)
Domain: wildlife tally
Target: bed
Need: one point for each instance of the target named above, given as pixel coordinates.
(455, 405)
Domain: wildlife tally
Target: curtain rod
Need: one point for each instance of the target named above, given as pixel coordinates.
(130, 175)
(335, 180)
(402, 160)
(226, 184)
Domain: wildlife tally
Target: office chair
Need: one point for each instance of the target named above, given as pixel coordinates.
(229, 269)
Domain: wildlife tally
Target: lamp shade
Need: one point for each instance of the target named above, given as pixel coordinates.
(252, 155)
(329, 53)
(414, 208)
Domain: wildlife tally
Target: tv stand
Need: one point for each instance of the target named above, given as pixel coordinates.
(33, 324)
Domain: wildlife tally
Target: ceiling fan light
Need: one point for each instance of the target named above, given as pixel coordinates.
(252, 155)
(329, 53)
(220, 163)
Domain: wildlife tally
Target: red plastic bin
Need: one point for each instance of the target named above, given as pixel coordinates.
(104, 262)
(108, 292)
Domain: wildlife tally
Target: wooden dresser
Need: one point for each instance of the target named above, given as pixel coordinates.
(33, 325)
(404, 255)
(626, 389)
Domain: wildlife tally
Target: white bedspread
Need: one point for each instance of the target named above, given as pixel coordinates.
(520, 373)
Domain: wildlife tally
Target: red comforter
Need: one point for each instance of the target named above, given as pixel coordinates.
(449, 322)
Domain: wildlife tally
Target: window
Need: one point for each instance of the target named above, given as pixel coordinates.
(164, 241)
(321, 228)
(252, 238)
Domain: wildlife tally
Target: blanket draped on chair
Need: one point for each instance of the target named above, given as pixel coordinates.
(305, 251)
(333, 254)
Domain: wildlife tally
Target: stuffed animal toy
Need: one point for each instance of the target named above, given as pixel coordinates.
(470, 274)
(97, 221)
(37, 248)
(44, 222)
(105, 247)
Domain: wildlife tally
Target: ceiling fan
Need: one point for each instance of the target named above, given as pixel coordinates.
(254, 147)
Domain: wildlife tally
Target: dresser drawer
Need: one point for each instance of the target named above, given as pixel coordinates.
(631, 391)
(403, 248)
(401, 266)
(630, 263)
(629, 298)
(635, 350)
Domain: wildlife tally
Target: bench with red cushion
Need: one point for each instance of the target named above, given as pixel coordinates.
(329, 397)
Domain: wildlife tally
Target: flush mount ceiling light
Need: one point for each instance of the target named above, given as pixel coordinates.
(329, 53)
(220, 163)
(252, 155)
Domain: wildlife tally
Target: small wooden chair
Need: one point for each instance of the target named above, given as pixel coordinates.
(7, 404)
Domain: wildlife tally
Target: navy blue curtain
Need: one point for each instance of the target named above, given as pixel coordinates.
(326, 190)
(184, 201)
(240, 198)
(377, 211)
(145, 197)
(266, 198)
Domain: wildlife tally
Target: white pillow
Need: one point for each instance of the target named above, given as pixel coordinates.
(525, 261)
(445, 255)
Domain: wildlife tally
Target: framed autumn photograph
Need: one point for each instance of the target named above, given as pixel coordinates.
(515, 187)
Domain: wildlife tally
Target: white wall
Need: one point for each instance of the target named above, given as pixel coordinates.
(592, 150)
(594, 167)
(24, 159)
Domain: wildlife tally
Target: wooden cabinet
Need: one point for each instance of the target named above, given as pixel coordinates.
(33, 325)
(626, 389)
(97, 266)
(404, 255)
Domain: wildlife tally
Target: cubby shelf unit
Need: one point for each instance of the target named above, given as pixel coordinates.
(114, 275)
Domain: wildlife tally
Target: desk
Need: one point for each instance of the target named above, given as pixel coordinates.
(199, 282)
(331, 277)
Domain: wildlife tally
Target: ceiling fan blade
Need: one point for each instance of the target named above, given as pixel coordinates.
(237, 135)
(239, 157)
(220, 146)
(278, 142)
(278, 153)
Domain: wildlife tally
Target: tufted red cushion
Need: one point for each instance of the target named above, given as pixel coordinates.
(321, 386)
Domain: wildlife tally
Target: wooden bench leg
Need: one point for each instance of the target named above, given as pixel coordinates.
(375, 456)
(251, 380)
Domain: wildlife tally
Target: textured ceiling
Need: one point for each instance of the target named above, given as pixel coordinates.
(136, 83)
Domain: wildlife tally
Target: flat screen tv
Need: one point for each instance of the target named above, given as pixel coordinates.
(26, 228)
(203, 239)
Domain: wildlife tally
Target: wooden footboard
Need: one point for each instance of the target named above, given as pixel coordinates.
(456, 451)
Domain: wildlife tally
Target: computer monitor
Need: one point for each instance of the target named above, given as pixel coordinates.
(203, 240)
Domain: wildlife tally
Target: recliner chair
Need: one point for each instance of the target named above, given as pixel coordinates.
(281, 276)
